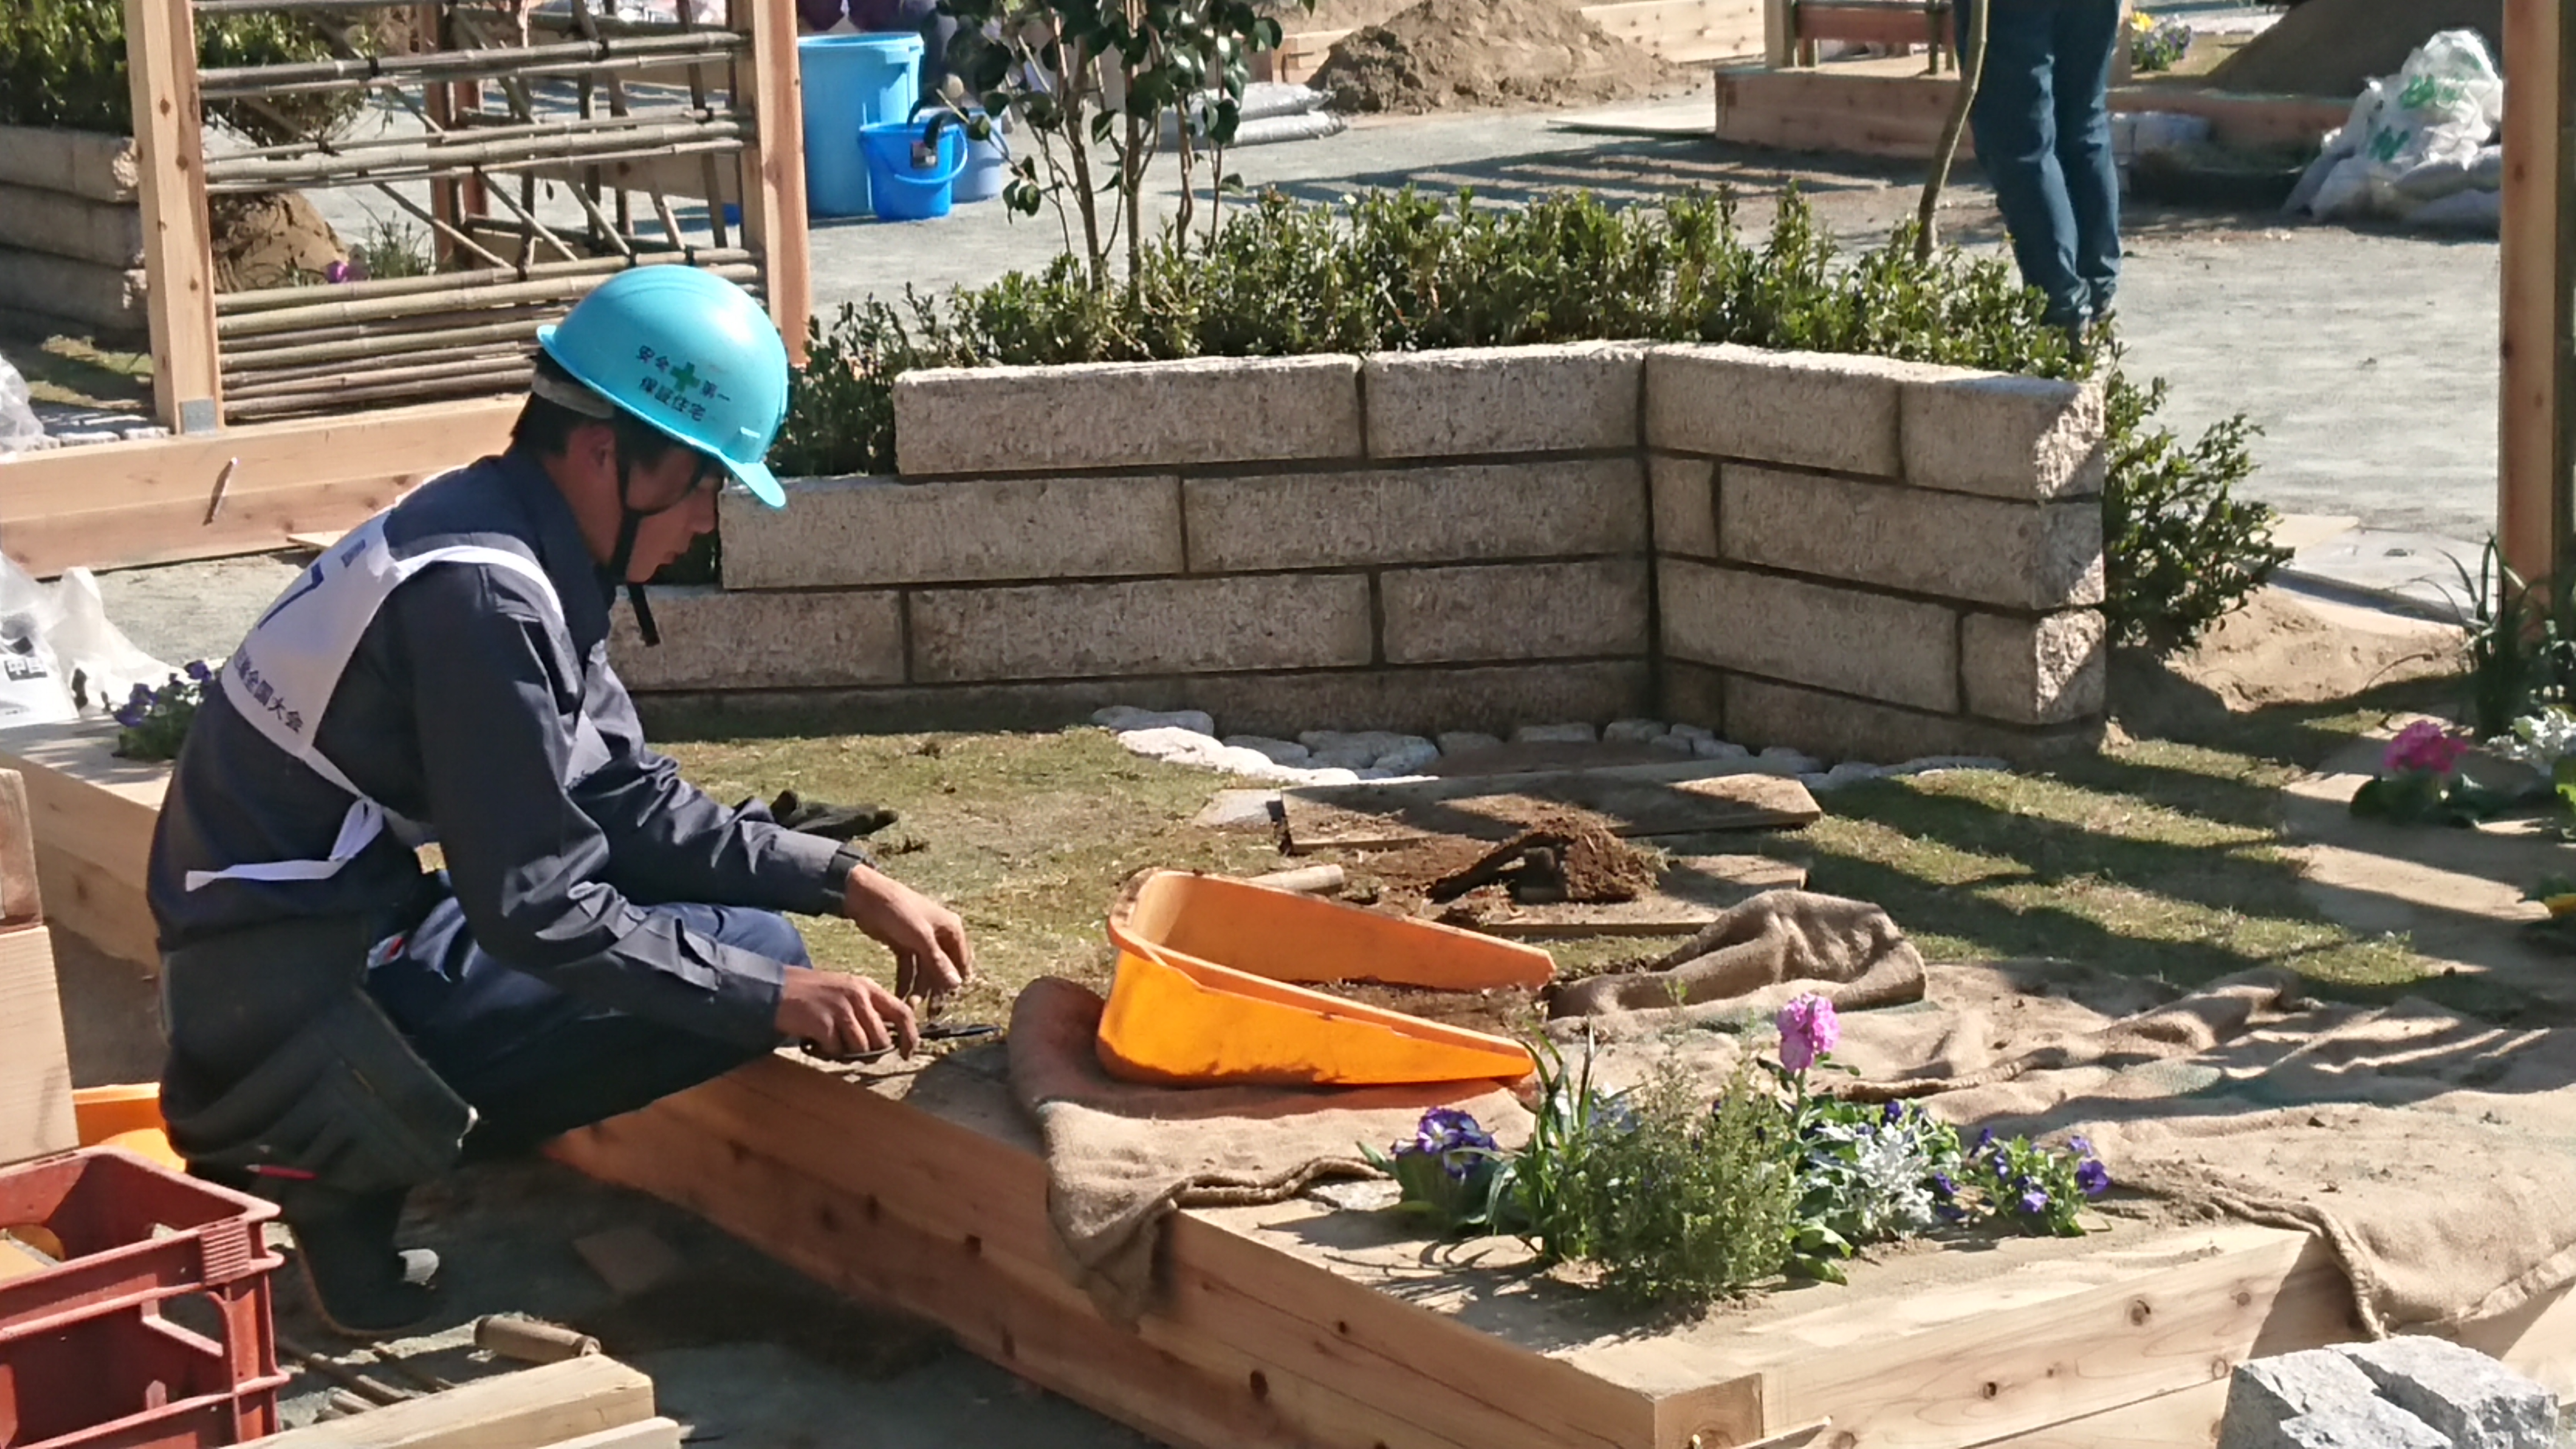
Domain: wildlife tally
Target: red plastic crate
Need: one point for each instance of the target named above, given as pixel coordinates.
(87, 1355)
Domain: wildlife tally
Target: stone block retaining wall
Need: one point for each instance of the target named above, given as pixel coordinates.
(1823, 552)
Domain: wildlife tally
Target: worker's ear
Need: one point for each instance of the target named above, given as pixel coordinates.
(594, 446)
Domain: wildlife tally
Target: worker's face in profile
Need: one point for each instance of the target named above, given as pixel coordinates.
(678, 497)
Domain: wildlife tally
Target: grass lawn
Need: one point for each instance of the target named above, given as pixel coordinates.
(2160, 858)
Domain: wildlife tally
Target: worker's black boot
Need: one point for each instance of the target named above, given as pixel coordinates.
(364, 1286)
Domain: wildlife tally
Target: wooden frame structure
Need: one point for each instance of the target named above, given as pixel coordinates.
(2537, 419)
(1297, 1326)
(307, 408)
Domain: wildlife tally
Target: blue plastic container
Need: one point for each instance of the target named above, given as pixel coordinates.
(901, 185)
(851, 81)
(988, 167)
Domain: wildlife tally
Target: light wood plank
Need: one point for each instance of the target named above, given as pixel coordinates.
(161, 60)
(1874, 113)
(770, 86)
(531, 1409)
(115, 504)
(1676, 799)
(91, 816)
(35, 1061)
(643, 1434)
(2532, 462)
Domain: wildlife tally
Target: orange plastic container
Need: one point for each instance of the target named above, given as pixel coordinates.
(1204, 991)
(125, 1116)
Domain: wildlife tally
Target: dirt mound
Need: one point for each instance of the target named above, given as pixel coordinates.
(272, 240)
(2280, 649)
(1564, 856)
(1445, 53)
(2334, 47)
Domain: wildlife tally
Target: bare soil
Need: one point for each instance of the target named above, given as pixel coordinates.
(1592, 865)
(270, 240)
(1496, 1011)
(1444, 54)
(2334, 47)
(2280, 649)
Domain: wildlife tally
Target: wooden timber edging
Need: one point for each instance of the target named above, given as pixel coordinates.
(1876, 114)
(1262, 1340)
(93, 816)
(242, 490)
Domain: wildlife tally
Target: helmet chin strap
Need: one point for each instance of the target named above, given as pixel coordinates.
(628, 522)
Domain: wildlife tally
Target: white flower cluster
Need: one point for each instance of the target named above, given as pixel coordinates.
(2541, 740)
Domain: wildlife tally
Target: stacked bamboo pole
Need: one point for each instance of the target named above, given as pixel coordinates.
(508, 266)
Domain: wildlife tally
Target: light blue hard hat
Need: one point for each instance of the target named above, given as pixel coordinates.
(689, 353)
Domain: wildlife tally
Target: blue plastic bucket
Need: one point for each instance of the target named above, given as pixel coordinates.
(851, 81)
(902, 187)
(988, 167)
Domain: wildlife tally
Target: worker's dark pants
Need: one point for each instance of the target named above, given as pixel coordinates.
(2042, 123)
(534, 1062)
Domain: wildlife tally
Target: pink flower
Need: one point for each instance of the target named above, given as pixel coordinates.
(2424, 747)
(336, 272)
(1808, 1029)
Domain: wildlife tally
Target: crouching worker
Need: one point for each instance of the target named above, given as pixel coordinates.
(344, 1026)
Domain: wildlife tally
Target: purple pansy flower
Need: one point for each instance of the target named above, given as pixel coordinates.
(198, 671)
(2034, 1202)
(2093, 1177)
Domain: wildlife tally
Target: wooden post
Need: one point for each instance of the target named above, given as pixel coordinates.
(1779, 33)
(178, 256)
(767, 84)
(2124, 65)
(2532, 512)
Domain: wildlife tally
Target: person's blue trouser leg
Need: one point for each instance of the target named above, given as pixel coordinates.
(2014, 121)
(534, 1062)
(2088, 35)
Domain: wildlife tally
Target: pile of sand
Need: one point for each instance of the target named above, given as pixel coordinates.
(1445, 53)
(2334, 47)
(268, 239)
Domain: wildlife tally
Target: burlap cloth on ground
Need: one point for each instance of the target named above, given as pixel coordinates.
(2435, 1154)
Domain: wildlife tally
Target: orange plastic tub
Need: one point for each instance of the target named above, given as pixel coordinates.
(1204, 991)
(126, 1116)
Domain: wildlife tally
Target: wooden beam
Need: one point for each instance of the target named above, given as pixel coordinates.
(769, 86)
(1779, 35)
(91, 818)
(1900, 115)
(178, 259)
(116, 504)
(2533, 456)
(1873, 24)
(531, 1409)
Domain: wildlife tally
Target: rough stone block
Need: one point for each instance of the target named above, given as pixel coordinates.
(837, 532)
(2012, 437)
(1515, 611)
(1802, 409)
(1696, 693)
(1685, 493)
(2474, 1401)
(1126, 415)
(1454, 514)
(2265, 1393)
(1151, 626)
(1835, 727)
(2358, 1424)
(2015, 555)
(1473, 400)
(1899, 650)
(2035, 671)
(717, 640)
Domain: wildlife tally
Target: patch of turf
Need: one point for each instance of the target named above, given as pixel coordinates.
(2158, 858)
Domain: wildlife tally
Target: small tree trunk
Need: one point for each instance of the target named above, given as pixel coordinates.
(1927, 223)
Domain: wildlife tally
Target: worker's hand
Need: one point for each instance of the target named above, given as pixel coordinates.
(843, 1016)
(931, 954)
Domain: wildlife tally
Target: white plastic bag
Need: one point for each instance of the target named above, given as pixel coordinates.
(34, 689)
(2442, 107)
(20, 432)
(86, 643)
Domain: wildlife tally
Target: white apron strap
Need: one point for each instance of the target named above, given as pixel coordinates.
(282, 677)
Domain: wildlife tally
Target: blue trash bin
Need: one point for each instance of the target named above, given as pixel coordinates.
(988, 166)
(851, 81)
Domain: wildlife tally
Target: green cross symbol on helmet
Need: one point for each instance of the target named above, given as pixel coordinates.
(720, 385)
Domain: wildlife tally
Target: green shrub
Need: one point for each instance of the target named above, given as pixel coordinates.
(1399, 271)
(62, 64)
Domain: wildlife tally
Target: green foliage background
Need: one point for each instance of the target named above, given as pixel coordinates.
(1401, 272)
